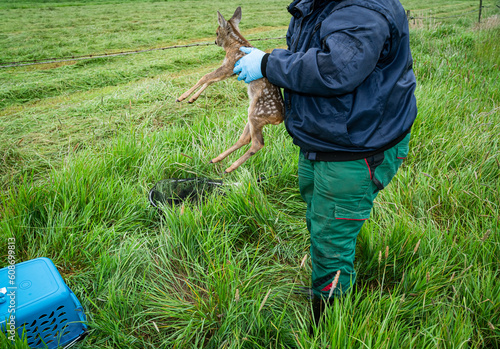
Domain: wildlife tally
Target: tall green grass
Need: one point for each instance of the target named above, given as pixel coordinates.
(81, 145)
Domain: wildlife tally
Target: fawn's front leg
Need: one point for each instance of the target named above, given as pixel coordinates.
(218, 75)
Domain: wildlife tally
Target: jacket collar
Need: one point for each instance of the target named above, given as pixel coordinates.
(300, 8)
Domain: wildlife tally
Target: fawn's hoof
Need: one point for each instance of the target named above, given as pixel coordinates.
(177, 100)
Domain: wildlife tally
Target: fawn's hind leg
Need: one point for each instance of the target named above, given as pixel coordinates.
(244, 139)
(257, 144)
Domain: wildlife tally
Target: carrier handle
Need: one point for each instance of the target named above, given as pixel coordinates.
(79, 308)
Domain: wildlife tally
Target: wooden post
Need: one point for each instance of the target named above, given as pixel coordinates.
(408, 15)
(480, 9)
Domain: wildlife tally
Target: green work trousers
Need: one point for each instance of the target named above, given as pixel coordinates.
(339, 197)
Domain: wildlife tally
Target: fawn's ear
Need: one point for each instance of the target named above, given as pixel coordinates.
(235, 20)
(222, 21)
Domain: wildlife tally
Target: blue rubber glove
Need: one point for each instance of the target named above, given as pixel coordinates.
(248, 67)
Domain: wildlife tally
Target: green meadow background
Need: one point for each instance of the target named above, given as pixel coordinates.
(82, 142)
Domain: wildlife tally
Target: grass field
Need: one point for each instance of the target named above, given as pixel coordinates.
(81, 144)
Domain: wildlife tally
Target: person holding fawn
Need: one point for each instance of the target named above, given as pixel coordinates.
(349, 105)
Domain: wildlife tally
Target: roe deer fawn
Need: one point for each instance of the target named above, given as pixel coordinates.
(266, 102)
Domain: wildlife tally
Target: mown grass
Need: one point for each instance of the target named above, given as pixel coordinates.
(81, 144)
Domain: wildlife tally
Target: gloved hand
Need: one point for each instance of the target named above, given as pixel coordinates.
(248, 67)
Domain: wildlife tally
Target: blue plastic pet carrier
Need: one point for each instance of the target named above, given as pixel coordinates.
(45, 308)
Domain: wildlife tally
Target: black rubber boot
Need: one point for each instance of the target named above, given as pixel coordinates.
(319, 305)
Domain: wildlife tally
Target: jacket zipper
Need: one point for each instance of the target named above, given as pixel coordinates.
(294, 49)
(316, 28)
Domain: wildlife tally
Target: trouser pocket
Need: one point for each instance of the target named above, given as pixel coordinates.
(333, 245)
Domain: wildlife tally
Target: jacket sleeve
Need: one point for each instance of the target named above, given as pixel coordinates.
(353, 40)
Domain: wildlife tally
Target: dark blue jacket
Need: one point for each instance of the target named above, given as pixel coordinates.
(347, 75)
